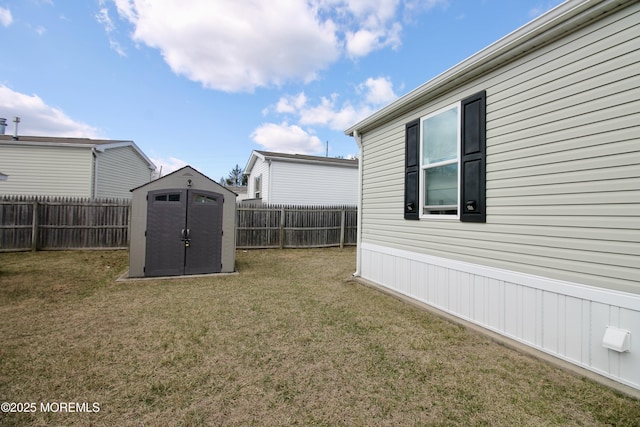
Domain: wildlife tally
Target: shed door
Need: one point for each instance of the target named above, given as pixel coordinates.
(184, 232)
(165, 221)
(204, 222)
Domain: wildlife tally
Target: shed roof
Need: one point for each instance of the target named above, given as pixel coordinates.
(556, 23)
(52, 141)
(302, 158)
(182, 170)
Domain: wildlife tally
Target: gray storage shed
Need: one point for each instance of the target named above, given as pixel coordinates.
(182, 223)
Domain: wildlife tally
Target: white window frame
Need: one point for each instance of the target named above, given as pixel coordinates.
(257, 187)
(423, 215)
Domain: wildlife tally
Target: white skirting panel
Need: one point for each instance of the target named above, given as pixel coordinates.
(566, 320)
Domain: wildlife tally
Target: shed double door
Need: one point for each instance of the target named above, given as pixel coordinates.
(184, 232)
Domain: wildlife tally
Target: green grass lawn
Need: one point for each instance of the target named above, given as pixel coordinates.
(291, 340)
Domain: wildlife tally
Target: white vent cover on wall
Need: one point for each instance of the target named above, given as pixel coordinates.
(616, 339)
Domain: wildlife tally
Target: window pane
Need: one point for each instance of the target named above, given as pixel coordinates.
(174, 197)
(201, 198)
(440, 137)
(441, 185)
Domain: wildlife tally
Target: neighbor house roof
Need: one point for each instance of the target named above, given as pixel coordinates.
(98, 144)
(554, 24)
(302, 158)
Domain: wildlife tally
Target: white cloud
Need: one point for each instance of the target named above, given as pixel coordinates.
(378, 91)
(285, 138)
(40, 119)
(239, 45)
(329, 112)
(336, 115)
(165, 166)
(291, 104)
(5, 17)
(235, 45)
(104, 18)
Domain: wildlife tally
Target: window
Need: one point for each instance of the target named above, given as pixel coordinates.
(203, 198)
(440, 133)
(173, 197)
(445, 163)
(257, 185)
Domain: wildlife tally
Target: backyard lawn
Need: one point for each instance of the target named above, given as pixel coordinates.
(291, 340)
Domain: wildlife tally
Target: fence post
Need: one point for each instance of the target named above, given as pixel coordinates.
(282, 228)
(34, 227)
(342, 221)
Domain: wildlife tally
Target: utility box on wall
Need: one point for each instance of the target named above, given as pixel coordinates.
(182, 223)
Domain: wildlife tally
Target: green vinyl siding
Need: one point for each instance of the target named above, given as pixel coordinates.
(563, 164)
(46, 170)
(119, 170)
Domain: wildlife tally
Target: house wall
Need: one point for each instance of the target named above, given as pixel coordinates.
(119, 170)
(261, 167)
(312, 184)
(45, 170)
(557, 260)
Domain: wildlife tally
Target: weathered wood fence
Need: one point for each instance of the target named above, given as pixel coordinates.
(48, 223)
(279, 226)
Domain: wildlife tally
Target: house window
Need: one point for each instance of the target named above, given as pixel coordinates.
(440, 147)
(258, 187)
(445, 163)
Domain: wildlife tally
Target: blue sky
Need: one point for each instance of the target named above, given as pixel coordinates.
(205, 82)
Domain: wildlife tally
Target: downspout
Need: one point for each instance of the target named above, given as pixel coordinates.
(269, 177)
(358, 139)
(94, 172)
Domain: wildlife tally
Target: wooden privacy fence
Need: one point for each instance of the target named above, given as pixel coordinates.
(278, 226)
(49, 223)
(28, 222)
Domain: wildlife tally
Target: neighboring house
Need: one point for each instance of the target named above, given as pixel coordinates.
(278, 178)
(76, 167)
(506, 191)
(240, 191)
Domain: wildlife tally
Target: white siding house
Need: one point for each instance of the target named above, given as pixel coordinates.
(278, 178)
(523, 214)
(72, 167)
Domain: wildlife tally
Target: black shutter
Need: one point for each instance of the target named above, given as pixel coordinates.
(412, 170)
(473, 159)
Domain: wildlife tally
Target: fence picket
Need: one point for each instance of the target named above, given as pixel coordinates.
(288, 226)
(48, 223)
(62, 223)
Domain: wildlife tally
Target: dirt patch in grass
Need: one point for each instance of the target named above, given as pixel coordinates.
(289, 341)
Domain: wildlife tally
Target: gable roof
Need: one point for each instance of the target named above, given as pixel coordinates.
(555, 24)
(302, 158)
(186, 171)
(98, 144)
